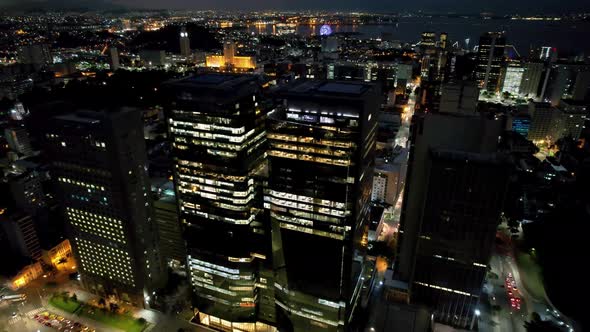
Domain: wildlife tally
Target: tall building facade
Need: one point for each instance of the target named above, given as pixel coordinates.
(459, 97)
(512, 78)
(428, 39)
(172, 246)
(216, 124)
(321, 160)
(490, 59)
(18, 140)
(114, 53)
(99, 164)
(531, 79)
(545, 122)
(452, 204)
(185, 43)
(37, 54)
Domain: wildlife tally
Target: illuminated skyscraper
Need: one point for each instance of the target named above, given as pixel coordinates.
(513, 74)
(490, 58)
(443, 40)
(99, 164)
(321, 164)
(185, 43)
(428, 39)
(452, 204)
(216, 124)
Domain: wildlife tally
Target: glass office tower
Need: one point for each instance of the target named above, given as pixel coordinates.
(216, 124)
(321, 159)
(490, 60)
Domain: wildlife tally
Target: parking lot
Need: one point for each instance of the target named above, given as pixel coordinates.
(49, 319)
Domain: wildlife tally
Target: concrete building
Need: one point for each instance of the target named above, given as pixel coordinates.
(37, 54)
(114, 53)
(18, 140)
(545, 122)
(389, 177)
(99, 162)
(459, 97)
(172, 246)
(20, 232)
(153, 58)
(573, 118)
(27, 191)
(453, 199)
(531, 79)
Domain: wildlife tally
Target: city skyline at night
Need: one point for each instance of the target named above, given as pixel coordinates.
(294, 167)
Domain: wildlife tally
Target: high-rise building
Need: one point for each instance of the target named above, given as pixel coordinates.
(185, 43)
(548, 53)
(428, 39)
(172, 246)
(27, 191)
(114, 52)
(321, 158)
(490, 59)
(442, 43)
(531, 79)
(568, 81)
(18, 140)
(216, 124)
(452, 205)
(19, 230)
(512, 80)
(459, 97)
(37, 54)
(390, 176)
(153, 58)
(573, 116)
(545, 122)
(99, 164)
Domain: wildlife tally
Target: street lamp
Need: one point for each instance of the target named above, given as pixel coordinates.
(476, 314)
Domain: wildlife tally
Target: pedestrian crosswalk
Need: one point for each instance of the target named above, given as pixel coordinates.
(15, 319)
(35, 312)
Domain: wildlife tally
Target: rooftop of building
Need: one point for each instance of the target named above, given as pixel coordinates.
(92, 117)
(217, 81)
(331, 89)
(572, 102)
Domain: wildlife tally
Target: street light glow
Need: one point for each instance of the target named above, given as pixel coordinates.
(477, 312)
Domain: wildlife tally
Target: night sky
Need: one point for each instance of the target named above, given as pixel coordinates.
(462, 6)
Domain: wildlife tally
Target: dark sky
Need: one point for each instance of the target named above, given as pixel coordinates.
(462, 6)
